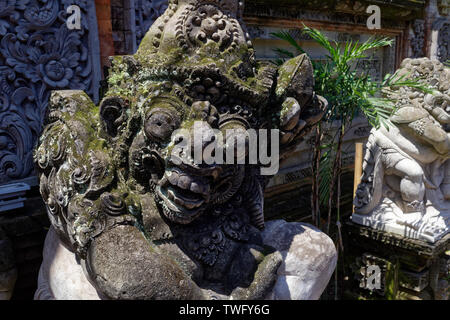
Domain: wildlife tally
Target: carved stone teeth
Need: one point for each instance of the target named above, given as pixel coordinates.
(164, 181)
(195, 187)
(184, 182)
(190, 205)
(170, 195)
(178, 200)
(173, 177)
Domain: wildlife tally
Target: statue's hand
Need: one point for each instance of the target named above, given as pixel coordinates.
(263, 281)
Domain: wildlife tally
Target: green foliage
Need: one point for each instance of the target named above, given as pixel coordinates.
(348, 92)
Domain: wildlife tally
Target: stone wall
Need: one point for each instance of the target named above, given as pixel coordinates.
(122, 26)
(104, 22)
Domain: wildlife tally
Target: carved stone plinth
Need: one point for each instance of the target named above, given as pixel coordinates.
(410, 269)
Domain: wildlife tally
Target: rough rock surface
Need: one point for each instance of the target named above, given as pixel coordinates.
(61, 276)
(309, 260)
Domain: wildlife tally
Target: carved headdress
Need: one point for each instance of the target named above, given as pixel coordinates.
(206, 38)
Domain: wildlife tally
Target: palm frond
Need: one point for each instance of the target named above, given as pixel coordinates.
(397, 80)
(316, 35)
(326, 175)
(286, 36)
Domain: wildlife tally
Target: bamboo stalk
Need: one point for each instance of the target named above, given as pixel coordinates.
(358, 168)
(335, 174)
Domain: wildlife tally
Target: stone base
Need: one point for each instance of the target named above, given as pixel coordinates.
(309, 260)
(410, 269)
(430, 225)
(7, 282)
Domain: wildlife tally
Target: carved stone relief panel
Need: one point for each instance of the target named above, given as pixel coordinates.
(147, 11)
(417, 38)
(38, 54)
(443, 40)
(444, 7)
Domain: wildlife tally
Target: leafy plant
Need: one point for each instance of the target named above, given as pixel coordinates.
(349, 92)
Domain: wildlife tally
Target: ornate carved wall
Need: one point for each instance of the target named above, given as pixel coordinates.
(146, 12)
(416, 38)
(442, 27)
(38, 53)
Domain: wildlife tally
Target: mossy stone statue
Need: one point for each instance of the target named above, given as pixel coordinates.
(139, 226)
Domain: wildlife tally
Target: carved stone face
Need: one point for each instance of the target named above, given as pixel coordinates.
(184, 190)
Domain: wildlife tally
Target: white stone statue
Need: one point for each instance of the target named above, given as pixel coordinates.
(405, 187)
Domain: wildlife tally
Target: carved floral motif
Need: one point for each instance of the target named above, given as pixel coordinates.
(444, 42)
(417, 38)
(38, 54)
(146, 13)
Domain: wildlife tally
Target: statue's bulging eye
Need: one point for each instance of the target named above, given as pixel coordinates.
(160, 125)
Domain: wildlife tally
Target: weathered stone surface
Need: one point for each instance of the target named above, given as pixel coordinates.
(406, 173)
(126, 267)
(300, 269)
(416, 281)
(61, 276)
(145, 224)
(309, 260)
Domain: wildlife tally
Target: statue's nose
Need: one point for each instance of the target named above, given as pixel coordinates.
(202, 135)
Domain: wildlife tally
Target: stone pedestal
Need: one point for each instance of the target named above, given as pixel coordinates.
(409, 269)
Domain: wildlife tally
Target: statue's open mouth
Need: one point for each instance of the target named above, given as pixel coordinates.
(184, 195)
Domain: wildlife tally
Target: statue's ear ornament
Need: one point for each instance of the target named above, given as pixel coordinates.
(295, 79)
(113, 115)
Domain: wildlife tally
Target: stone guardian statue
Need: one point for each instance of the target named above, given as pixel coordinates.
(131, 222)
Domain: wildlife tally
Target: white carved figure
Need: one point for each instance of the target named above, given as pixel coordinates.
(406, 173)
